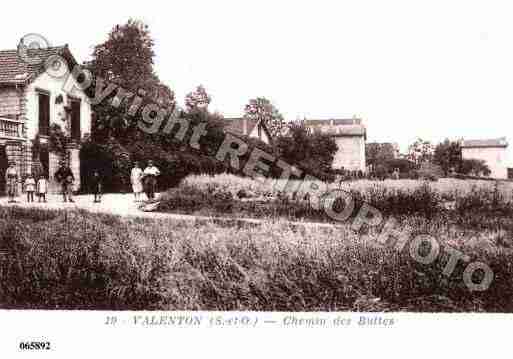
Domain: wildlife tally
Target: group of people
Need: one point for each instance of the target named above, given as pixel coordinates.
(144, 180)
(31, 185)
(141, 181)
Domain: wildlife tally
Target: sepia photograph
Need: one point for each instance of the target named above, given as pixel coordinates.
(254, 164)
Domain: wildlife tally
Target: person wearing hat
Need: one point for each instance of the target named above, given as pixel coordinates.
(65, 177)
(11, 181)
(150, 179)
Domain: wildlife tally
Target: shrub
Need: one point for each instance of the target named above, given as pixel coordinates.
(430, 171)
(484, 200)
(381, 171)
(312, 152)
(221, 195)
(474, 167)
(423, 201)
(402, 164)
(189, 199)
(412, 174)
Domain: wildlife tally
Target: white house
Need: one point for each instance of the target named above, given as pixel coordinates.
(492, 151)
(350, 136)
(31, 100)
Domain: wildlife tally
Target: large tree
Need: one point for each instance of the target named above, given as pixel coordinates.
(420, 151)
(198, 99)
(313, 152)
(126, 60)
(379, 153)
(261, 109)
(447, 155)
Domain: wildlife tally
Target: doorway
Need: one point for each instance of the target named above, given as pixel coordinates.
(4, 164)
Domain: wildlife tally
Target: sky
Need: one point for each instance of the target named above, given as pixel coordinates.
(430, 69)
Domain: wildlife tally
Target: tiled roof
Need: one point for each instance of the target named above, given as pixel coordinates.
(13, 70)
(496, 142)
(337, 127)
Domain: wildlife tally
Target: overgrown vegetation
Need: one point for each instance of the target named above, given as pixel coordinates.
(229, 195)
(80, 260)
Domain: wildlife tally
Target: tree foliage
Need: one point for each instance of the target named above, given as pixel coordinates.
(126, 60)
(261, 109)
(420, 151)
(197, 99)
(378, 153)
(430, 171)
(447, 155)
(474, 167)
(314, 152)
(402, 164)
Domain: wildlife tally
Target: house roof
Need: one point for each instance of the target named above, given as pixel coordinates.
(235, 125)
(14, 70)
(244, 126)
(496, 142)
(337, 127)
(333, 121)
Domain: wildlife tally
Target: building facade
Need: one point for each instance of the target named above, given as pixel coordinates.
(492, 151)
(350, 136)
(31, 101)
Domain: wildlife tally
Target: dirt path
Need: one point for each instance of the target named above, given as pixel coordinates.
(124, 205)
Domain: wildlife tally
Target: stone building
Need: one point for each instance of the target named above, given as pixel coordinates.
(33, 98)
(350, 136)
(492, 151)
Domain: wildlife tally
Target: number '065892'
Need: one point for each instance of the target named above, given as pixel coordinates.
(35, 346)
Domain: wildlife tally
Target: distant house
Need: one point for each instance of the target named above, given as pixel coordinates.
(248, 127)
(492, 151)
(30, 101)
(350, 136)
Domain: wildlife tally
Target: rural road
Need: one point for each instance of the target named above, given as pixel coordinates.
(124, 205)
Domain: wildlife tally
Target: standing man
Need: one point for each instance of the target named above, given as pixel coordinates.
(97, 187)
(150, 179)
(11, 181)
(65, 177)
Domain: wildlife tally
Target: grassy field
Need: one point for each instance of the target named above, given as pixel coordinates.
(232, 196)
(445, 186)
(80, 260)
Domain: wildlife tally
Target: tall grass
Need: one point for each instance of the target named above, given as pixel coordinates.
(226, 194)
(446, 187)
(80, 260)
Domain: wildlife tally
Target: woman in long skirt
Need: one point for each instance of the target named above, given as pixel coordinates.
(11, 181)
(136, 180)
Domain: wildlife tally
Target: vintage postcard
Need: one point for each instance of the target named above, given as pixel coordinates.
(263, 177)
